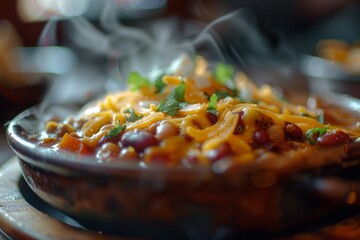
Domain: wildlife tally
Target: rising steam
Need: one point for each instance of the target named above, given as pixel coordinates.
(233, 39)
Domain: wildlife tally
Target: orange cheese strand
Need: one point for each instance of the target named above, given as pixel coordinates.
(224, 127)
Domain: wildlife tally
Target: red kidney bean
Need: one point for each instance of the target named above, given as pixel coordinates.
(261, 137)
(293, 132)
(128, 153)
(139, 140)
(221, 151)
(212, 118)
(240, 123)
(108, 150)
(165, 130)
(333, 137)
(153, 126)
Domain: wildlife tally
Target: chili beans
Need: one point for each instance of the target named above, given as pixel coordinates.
(333, 137)
(128, 153)
(108, 150)
(139, 140)
(293, 132)
(240, 123)
(165, 130)
(152, 127)
(261, 137)
(221, 151)
(212, 118)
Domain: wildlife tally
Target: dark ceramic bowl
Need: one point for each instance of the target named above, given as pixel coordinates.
(326, 76)
(133, 200)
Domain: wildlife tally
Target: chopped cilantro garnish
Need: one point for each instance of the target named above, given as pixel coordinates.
(136, 81)
(179, 92)
(131, 116)
(116, 131)
(314, 133)
(159, 84)
(173, 102)
(169, 106)
(223, 72)
(212, 105)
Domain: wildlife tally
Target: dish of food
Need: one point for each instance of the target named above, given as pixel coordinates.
(335, 68)
(197, 148)
(346, 55)
(195, 120)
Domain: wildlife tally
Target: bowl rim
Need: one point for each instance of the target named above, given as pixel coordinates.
(329, 70)
(45, 157)
(70, 163)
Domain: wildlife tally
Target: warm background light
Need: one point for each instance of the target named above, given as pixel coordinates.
(40, 10)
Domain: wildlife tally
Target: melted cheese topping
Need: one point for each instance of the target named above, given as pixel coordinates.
(193, 120)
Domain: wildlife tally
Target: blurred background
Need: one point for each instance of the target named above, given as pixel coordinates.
(62, 51)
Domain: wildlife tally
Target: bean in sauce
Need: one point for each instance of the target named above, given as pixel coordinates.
(139, 140)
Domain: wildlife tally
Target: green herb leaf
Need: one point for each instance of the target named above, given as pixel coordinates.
(179, 92)
(314, 133)
(173, 102)
(136, 81)
(116, 131)
(223, 72)
(159, 84)
(212, 105)
(168, 106)
(131, 116)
